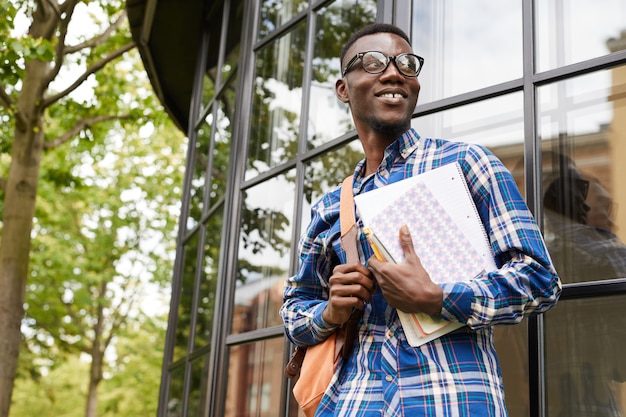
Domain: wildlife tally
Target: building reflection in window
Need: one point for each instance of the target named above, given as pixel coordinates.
(586, 374)
(583, 139)
(255, 373)
(264, 253)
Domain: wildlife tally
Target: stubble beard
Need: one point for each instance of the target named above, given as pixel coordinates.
(390, 130)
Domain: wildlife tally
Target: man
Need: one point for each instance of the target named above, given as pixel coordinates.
(578, 225)
(457, 374)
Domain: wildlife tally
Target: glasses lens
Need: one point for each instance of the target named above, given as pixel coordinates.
(408, 64)
(374, 62)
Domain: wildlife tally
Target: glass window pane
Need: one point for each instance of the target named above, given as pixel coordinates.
(327, 171)
(175, 395)
(255, 373)
(220, 153)
(235, 22)
(582, 131)
(512, 347)
(496, 123)
(264, 253)
(208, 283)
(570, 31)
(210, 76)
(329, 117)
(586, 366)
(199, 172)
(198, 385)
(276, 12)
(183, 324)
(466, 44)
(277, 99)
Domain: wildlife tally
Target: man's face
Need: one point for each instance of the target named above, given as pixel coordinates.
(382, 103)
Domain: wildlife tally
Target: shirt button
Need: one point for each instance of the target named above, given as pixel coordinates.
(389, 334)
(389, 378)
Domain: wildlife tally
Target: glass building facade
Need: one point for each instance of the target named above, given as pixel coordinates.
(541, 83)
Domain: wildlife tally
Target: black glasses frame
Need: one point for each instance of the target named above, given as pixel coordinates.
(360, 55)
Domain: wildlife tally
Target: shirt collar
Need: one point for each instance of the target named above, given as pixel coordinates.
(402, 147)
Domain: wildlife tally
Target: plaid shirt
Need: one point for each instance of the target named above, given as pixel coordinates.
(457, 374)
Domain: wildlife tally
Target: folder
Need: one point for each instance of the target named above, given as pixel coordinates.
(447, 232)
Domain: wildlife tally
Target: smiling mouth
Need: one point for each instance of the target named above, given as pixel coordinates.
(391, 95)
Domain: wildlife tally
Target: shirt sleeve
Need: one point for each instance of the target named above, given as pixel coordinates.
(525, 282)
(306, 293)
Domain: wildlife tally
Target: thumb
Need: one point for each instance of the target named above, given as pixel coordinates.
(406, 242)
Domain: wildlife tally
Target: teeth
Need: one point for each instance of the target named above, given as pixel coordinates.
(391, 95)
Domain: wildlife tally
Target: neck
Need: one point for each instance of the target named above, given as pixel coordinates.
(374, 146)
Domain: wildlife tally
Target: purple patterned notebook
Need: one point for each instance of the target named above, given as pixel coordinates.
(442, 247)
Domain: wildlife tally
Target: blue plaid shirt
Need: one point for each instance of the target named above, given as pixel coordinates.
(457, 374)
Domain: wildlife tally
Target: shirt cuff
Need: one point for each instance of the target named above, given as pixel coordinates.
(320, 327)
(457, 301)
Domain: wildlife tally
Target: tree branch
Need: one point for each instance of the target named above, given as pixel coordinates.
(68, 11)
(91, 70)
(70, 49)
(6, 100)
(80, 125)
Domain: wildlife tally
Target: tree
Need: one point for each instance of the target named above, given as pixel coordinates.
(129, 389)
(47, 121)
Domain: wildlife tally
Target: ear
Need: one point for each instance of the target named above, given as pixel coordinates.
(341, 90)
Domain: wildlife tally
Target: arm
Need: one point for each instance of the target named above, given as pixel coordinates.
(525, 282)
(323, 293)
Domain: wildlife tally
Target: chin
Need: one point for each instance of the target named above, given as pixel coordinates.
(390, 129)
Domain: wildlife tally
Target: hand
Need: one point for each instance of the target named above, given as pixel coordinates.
(351, 286)
(407, 286)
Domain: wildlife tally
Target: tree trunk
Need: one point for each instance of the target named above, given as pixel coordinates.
(18, 213)
(97, 360)
(19, 210)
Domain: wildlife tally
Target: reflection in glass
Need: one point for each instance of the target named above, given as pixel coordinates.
(586, 365)
(264, 251)
(198, 387)
(494, 122)
(276, 102)
(235, 22)
(466, 45)
(210, 76)
(329, 117)
(255, 373)
(582, 139)
(276, 12)
(199, 172)
(208, 87)
(222, 145)
(326, 172)
(512, 347)
(183, 323)
(175, 395)
(570, 31)
(208, 281)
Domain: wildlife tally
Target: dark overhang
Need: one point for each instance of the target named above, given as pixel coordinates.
(168, 35)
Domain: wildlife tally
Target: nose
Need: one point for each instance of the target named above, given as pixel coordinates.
(392, 70)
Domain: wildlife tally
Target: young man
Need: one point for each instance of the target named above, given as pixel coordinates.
(457, 374)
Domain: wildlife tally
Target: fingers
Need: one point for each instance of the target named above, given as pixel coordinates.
(351, 287)
(406, 241)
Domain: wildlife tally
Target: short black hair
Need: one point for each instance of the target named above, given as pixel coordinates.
(371, 30)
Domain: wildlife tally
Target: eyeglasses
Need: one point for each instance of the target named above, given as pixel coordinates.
(376, 62)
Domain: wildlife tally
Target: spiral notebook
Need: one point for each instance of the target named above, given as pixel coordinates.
(448, 235)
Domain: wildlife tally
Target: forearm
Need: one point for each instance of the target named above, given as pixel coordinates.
(519, 289)
(304, 322)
